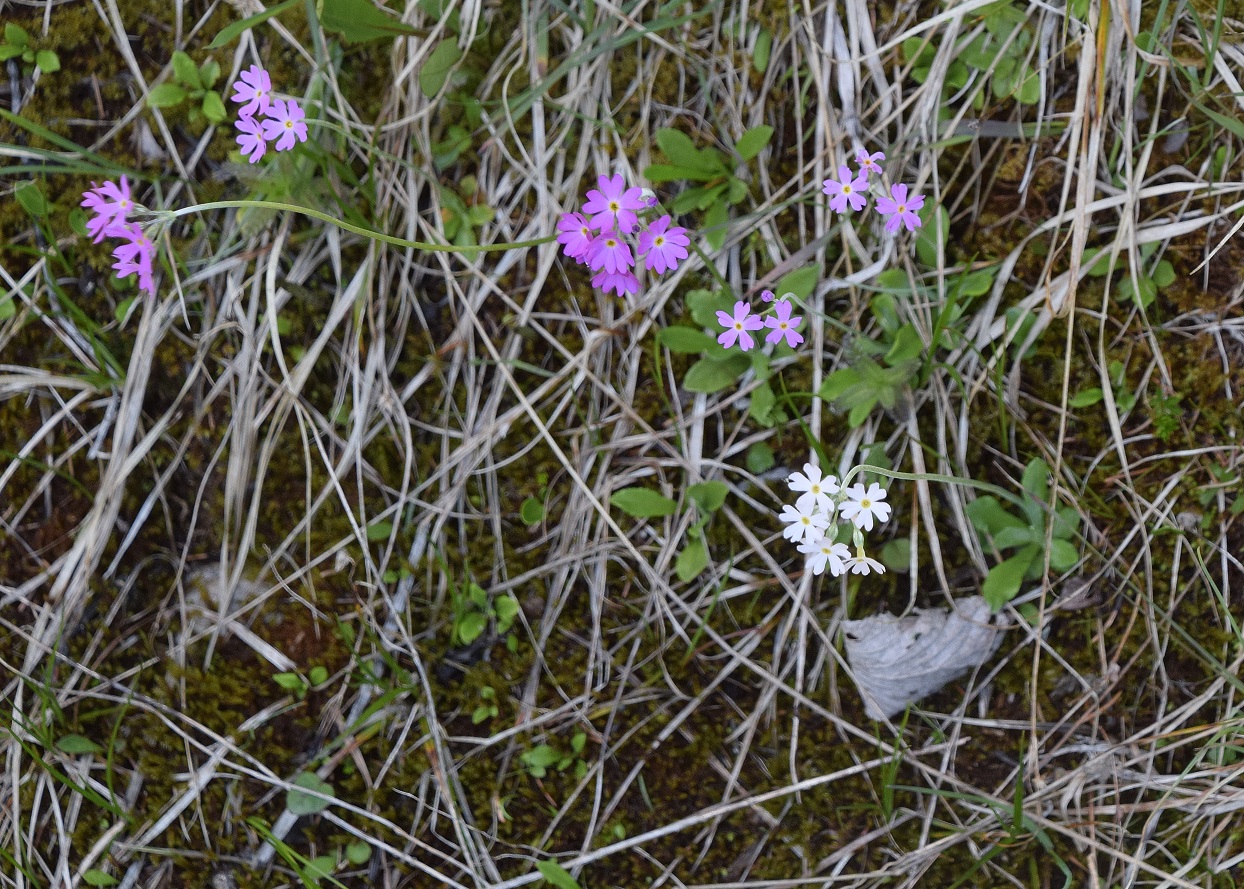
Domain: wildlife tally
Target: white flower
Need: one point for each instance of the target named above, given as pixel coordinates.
(862, 505)
(823, 552)
(817, 490)
(861, 564)
(801, 523)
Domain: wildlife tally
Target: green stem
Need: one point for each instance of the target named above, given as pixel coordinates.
(357, 229)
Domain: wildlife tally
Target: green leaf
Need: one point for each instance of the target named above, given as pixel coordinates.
(77, 745)
(542, 756)
(685, 340)
(704, 306)
(641, 503)
(715, 225)
(907, 346)
(7, 309)
(47, 61)
(679, 149)
(1011, 538)
(15, 35)
(929, 237)
(674, 173)
(208, 73)
(1063, 554)
(358, 852)
(435, 70)
(318, 675)
(1005, 578)
(472, 626)
(229, 33)
(31, 199)
(8, 51)
(379, 531)
(692, 560)
(760, 458)
(760, 408)
(360, 21)
(710, 375)
(289, 681)
(186, 71)
(858, 414)
(319, 867)
(988, 517)
(166, 95)
(213, 107)
(531, 512)
(760, 54)
(896, 554)
(95, 877)
(1036, 484)
(751, 142)
(300, 803)
(557, 875)
(1164, 274)
(838, 383)
(1085, 398)
(709, 496)
(800, 282)
(506, 608)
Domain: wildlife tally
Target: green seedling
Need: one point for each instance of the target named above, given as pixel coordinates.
(17, 43)
(720, 190)
(488, 708)
(1148, 280)
(1001, 530)
(542, 759)
(532, 509)
(297, 685)
(461, 218)
(708, 497)
(193, 85)
(473, 610)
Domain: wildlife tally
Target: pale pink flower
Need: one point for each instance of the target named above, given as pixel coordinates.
(110, 203)
(847, 189)
(609, 252)
(575, 236)
(622, 282)
(254, 90)
(738, 325)
(783, 325)
(284, 124)
(663, 245)
(901, 210)
(614, 205)
(251, 139)
(868, 162)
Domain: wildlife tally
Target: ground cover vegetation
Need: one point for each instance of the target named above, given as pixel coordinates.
(462, 444)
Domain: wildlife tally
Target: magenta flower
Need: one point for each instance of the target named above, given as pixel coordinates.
(620, 282)
(847, 189)
(284, 124)
(766, 296)
(901, 210)
(109, 203)
(609, 252)
(783, 325)
(134, 256)
(251, 140)
(575, 236)
(255, 90)
(738, 325)
(664, 246)
(868, 162)
(614, 205)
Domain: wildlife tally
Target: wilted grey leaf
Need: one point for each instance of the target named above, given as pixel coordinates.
(899, 660)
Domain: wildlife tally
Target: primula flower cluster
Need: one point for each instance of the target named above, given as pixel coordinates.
(850, 192)
(281, 121)
(781, 324)
(822, 505)
(110, 203)
(597, 236)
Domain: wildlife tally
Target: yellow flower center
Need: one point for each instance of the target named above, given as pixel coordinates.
(866, 504)
(659, 241)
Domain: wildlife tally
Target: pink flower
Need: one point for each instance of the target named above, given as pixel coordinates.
(847, 189)
(664, 246)
(109, 203)
(609, 252)
(620, 282)
(575, 235)
(901, 210)
(255, 90)
(136, 255)
(766, 296)
(783, 325)
(251, 140)
(284, 123)
(614, 205)
(737, 327)
(868, 162)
